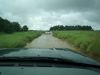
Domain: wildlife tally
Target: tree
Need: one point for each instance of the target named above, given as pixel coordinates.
(5, 26)
(9, 27)
(77, 27)
(16, 26)
(24, 28)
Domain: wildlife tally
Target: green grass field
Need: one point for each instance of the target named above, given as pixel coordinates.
(86, 41)
(18, 39)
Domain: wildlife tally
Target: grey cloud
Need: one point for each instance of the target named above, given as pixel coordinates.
(73, 5)
(93, 16)
(41, 14)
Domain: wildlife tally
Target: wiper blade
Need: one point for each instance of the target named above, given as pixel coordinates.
(46, 59)
(31, 59)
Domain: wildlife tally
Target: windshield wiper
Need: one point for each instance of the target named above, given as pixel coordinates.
(46, 60)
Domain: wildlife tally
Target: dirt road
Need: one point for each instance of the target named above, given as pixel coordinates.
(48, 41)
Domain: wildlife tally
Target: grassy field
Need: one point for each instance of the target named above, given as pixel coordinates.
(18, 39)
(86, 41)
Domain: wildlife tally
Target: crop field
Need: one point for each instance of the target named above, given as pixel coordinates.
(18, 39)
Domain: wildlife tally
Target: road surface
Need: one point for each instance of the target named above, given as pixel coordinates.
(48, 41)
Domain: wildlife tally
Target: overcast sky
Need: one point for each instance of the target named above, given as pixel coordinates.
(42, 14)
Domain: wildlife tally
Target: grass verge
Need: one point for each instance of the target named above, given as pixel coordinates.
(18, 39)
(87, 41)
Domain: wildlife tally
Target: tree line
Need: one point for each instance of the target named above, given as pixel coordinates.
(77, 27)
(9, 27)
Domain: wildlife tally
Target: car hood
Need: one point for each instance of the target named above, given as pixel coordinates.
(52, 52)
(45, 71)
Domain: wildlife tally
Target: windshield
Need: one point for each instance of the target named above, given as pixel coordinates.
(62, 29)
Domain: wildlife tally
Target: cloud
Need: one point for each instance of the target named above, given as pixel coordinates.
(42, 14)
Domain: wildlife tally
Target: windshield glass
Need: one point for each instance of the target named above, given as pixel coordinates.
(67, 29)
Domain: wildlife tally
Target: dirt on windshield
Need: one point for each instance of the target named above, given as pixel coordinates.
(48, 41)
